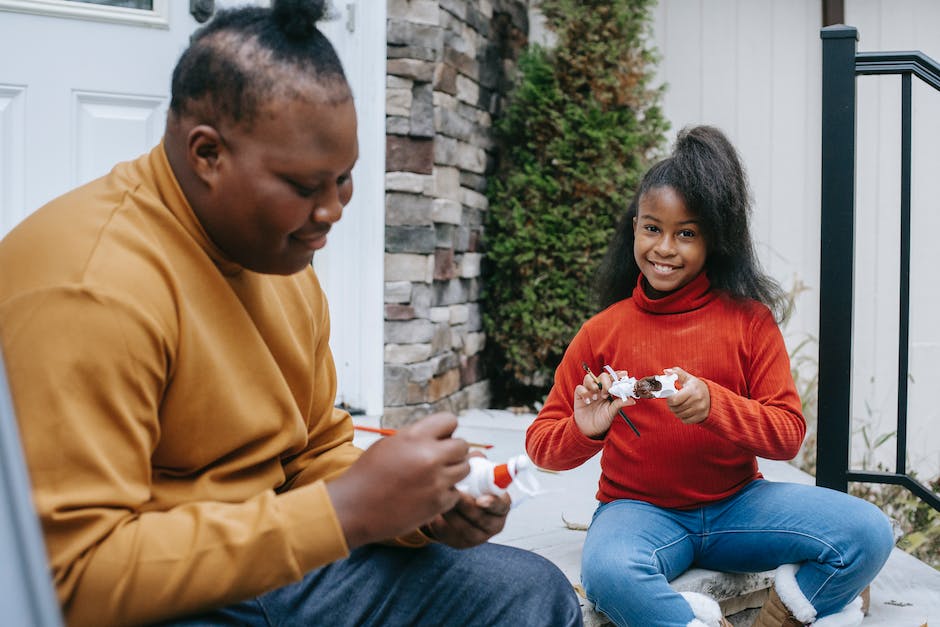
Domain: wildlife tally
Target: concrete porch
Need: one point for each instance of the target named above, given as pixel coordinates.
(905, 594)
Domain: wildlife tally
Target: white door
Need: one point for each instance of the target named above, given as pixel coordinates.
(351, 267)
(82, 86)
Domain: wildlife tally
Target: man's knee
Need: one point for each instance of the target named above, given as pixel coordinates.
(528, 585)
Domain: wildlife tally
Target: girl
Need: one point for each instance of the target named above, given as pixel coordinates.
(684, 294)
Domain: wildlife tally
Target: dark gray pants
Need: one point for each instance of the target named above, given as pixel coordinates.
(386, 586)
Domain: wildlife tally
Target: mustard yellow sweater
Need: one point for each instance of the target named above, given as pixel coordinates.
(176, 409)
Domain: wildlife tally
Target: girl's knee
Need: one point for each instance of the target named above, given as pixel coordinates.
(873, 535)
(882, 537)
(598, 570)
(604, 572)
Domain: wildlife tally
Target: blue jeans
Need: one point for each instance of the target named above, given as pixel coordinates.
(378, 585)
(634, 549)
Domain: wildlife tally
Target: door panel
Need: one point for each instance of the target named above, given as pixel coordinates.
(12, 143)
(108, 127)
(79, 94)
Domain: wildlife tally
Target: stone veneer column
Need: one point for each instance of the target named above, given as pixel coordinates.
(447, 63)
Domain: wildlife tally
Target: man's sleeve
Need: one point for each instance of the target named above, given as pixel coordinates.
(87, 373)
(330, 450)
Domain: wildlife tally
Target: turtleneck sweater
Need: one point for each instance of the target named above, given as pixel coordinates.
(176, 409)
(733, 345)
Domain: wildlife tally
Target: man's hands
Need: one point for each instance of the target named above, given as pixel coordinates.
(402, 482)
(471, 522)
(407, 480)
(594, 408)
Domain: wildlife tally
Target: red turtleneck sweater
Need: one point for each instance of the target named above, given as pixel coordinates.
(733, 345)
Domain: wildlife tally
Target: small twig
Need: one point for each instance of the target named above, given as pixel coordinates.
(575, 526)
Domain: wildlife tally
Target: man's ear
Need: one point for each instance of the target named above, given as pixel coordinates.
(204, 147)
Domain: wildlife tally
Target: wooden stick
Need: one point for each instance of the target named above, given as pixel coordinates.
(374, 430)
(629, 422)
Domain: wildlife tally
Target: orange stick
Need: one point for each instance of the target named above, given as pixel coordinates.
(381, 431)
(374, 430)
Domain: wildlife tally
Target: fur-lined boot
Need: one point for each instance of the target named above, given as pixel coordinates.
(706, 610)
(787, 606)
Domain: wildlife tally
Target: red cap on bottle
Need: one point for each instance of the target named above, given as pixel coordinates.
(501, 476)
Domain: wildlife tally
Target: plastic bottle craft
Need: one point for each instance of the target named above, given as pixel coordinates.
(488, 477)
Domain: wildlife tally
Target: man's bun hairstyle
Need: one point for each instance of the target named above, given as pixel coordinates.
(246, 57)
(298, 19)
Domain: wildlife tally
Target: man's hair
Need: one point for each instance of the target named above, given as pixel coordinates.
(705, 169)
(246, 57)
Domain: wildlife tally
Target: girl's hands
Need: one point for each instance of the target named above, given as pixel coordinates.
(692, 402)
(594, 408)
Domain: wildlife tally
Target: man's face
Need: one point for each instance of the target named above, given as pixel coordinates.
(282, 183)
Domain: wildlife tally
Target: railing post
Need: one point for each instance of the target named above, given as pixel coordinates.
(836, 256)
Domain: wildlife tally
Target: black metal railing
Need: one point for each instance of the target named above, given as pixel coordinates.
(841, 64)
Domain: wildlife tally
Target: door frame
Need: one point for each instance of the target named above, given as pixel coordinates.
(351, 267)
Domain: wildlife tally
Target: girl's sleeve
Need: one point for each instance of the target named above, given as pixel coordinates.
(553, 440)
(768, 422)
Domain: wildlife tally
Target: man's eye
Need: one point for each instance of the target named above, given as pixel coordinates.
(302, 191)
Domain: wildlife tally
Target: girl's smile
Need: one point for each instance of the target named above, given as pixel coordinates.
(668, 245)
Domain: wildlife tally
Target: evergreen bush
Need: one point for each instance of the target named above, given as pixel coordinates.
(579, 130)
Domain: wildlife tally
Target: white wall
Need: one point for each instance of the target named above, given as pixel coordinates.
(896, 25)
(753, 68)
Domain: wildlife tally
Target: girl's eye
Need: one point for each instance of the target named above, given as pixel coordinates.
(652, 228)
(687, 233)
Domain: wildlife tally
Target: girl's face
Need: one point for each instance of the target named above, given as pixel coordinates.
(668, 244)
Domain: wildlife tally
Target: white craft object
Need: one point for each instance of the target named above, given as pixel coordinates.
(625, 387)
(487, 477)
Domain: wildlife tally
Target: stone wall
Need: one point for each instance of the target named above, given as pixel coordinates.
(448, 68)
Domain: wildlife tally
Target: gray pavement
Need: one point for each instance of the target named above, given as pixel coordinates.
(905, 594)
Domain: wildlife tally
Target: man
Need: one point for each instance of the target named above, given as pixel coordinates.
(167, 346)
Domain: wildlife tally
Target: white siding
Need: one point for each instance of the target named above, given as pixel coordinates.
(753, 68)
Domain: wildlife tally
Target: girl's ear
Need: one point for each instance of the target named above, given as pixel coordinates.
(634, 226)
(204, 147)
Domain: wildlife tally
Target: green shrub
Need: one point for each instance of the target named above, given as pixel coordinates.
(580, 128)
